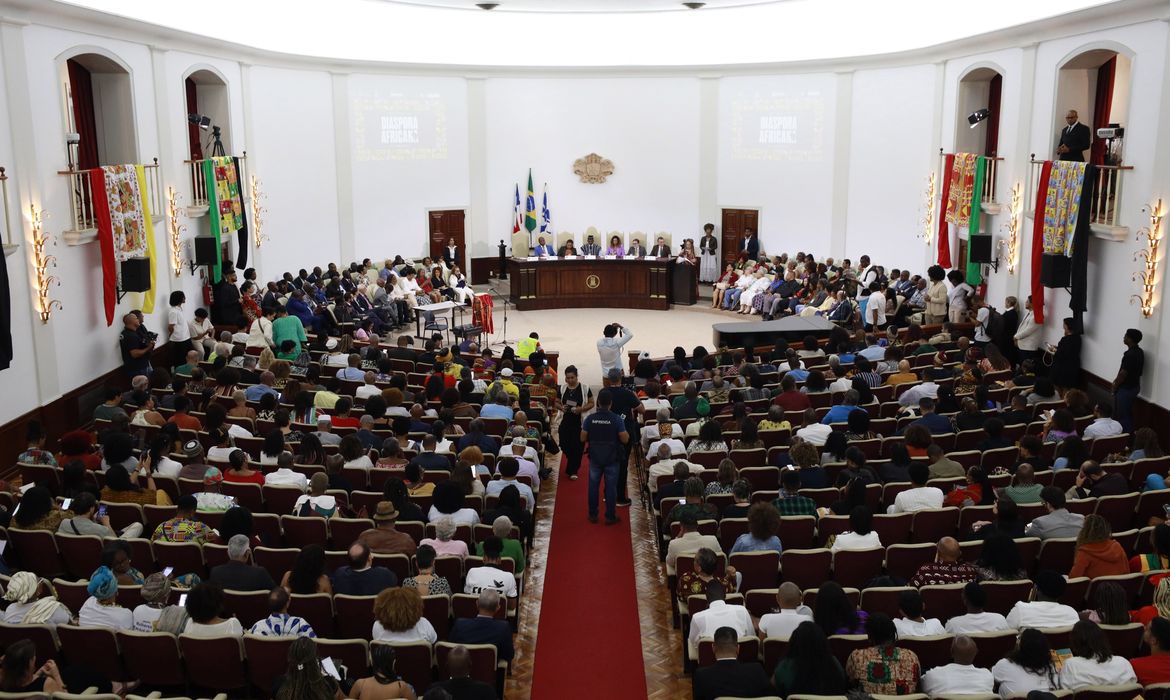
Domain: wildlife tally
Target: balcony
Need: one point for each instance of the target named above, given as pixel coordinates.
(198, 205)
(1104, 217)
(82, 218)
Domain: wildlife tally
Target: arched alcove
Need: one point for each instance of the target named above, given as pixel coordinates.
(205, 93)
(1095, 82)
(979, 88)
(99, 106)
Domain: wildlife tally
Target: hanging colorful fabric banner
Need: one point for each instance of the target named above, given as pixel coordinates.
(148, 298)
(1038, 241)
(242, 255)
(5, 316)
(975, 270)
(1062, 206)
(101, 212)
(213, 219)
(959, 192)
(944, 228)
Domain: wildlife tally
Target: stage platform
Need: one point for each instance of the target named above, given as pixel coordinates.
(790, 329)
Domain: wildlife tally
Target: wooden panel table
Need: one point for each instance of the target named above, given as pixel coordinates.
(581, 283)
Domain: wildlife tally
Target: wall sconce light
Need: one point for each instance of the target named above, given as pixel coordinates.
(1151, 236)
(257, 210)
(1013, 226)
(175, 229)
(41, 263)
(928, 204)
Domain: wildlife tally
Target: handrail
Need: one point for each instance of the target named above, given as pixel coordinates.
(990, 178)
(82, 212)
(199, 196)
(1103, 210)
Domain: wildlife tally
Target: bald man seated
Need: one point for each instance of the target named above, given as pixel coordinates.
(948, 566)
(461, 684)
(781, 624)
(960, 676)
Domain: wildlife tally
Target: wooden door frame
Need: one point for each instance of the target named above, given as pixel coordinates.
(466, 262)
(759, 218)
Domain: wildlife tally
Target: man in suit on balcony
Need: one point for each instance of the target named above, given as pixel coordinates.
(1074, 139)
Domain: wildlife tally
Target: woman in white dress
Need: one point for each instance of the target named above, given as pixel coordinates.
(757, 287)
(460, 285)
(708, 255)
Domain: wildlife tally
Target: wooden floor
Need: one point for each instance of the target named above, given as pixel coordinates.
(661, 643)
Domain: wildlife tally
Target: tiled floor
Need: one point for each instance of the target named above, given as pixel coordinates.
(661, 643)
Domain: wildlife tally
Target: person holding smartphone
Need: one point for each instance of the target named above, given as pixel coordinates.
(88, 519)
(576, 400)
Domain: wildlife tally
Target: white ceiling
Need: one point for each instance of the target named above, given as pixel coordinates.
(582, 5)
(727, 33)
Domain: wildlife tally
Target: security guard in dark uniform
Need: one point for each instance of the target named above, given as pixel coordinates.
(605, 433)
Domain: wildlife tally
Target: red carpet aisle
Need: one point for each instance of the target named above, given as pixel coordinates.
(589, 640)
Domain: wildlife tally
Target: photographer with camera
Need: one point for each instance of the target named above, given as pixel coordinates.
(136, 347)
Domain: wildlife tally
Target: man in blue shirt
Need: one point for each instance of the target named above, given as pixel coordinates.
(605, 433)
(254, 392)
(930, 420)
(840, 412)
(795, 371)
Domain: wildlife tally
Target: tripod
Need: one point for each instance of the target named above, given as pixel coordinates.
(217, 144)
(504, 329)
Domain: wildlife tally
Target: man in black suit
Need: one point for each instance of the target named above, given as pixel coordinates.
(750, 245)
(660, 249)
(360, 578)
(485, 628)
(403, 350)
(727, 677)
(1074, 139)
(637, 250)
(239, 575)
(461, 686)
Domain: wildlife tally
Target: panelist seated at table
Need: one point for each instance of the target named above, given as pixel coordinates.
(567, 249)
(660, 249)
(590, 247)
(637, 250)
(615, 248)
(543, 249)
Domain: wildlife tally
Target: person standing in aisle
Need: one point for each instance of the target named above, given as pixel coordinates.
(576, 400)
(709, 255)
(609, 346)
(1128, 382)
(605, 433)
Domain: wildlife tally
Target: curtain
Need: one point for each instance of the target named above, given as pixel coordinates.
(81, 88)
(1101, 103)
(193, 132)
(991, 141)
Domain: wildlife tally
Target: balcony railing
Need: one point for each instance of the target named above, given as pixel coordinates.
(198, 206)
(82, 217)
(1102, 209)
(988, 202)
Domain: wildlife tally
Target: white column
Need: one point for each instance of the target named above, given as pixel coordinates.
(709, 155)
(342, 162)
(842, 135)
(26, 185)
(930, 254)
(254, 159)
(477, 228)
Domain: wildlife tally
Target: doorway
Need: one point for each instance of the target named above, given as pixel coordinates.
(734, 223)
(445, 225)
(961, 260)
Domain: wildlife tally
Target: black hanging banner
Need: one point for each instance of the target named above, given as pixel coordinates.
(242, 256)
(5, 316)
(1079, 265)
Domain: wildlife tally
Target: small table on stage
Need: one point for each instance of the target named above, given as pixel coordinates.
(789, 328)
(435, 308)
(560, 283)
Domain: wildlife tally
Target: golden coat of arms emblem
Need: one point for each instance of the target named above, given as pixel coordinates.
(593, 168)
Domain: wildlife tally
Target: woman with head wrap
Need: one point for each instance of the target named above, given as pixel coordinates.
(102, 609)
(149, 616)
(33, 602)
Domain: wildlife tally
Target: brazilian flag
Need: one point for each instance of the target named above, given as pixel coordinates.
(530, 207)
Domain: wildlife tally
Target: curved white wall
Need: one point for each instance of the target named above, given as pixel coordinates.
(835, 156)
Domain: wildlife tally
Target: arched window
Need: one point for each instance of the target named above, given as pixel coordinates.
(207, 95)
(1094, 83)
(979, 89)
(100, 110)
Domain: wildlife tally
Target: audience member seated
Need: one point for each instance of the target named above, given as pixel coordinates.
(789, 501)
(384, 537)
(1094, 482)
(461, 684)
(948, 566)
(976, 619)
(788, 615)
(32, 601)
(835, 612)
(860, 535)
(1044, 611)
(444, 542)
(1058, 521)
(360, 577)
(883, 667)
(490, 575)
(1154, 668)
(101, 609)
(913, 623)
(1000, 560)
(448, 499)
(279, 623)
(398, 617)
(1092, 662)
(705, 566)
(718, 614)
(284, 474)
(763, 526)
(383, 682)
(485, 628)
(921, 496)
(809, 667)
(1097, 553)
(19, 672)
(238, 573)
(205, 608)
(307, 576)
(961, 676)
(728, 676)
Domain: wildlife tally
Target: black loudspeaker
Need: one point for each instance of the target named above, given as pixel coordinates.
(206, 252)
(979, 248)
(136, 274)
(1055, 271)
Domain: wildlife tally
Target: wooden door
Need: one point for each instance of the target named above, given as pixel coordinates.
(961, 260)
(734, 223)
(447, 224)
